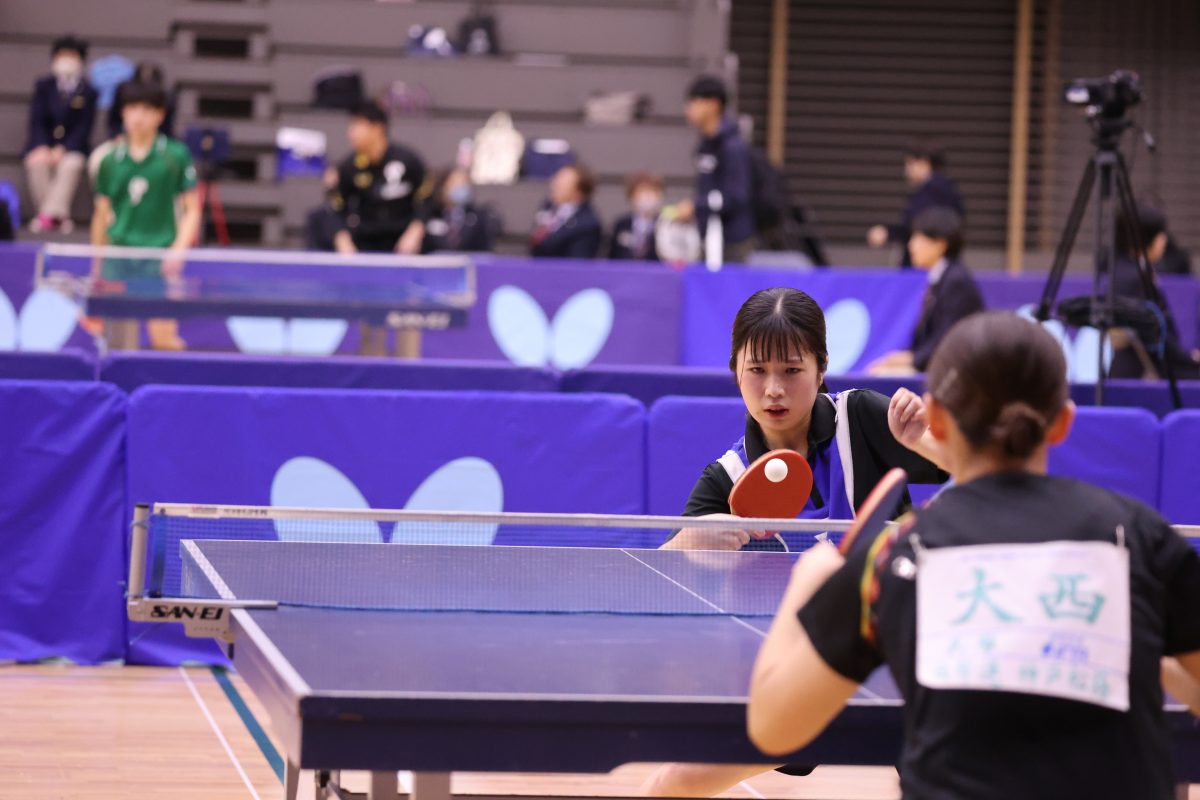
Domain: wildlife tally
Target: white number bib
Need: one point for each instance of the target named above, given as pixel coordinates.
(1049, 619)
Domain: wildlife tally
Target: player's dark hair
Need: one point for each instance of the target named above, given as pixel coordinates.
(585, 179)
(372, 112)
(927, 148)
(709, 87)
(1003, 379)
(777, 322)
(638, 180)
(1150, 221)
(71, 43)
(144, 93)
(940, 222)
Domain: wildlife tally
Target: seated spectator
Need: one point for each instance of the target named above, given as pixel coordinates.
(1175, 260)
(61, 115)
(451, 220)
(724, 171)
(633, 234)
(567, 227)
(935, 246)
(373, 200)
(1145, 359)
(928, 187)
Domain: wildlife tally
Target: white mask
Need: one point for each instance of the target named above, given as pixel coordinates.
(66, 68)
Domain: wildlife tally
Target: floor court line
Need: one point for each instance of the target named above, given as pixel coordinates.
(220, 734)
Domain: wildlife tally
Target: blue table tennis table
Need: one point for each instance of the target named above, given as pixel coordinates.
(443, 658)
(402, 292)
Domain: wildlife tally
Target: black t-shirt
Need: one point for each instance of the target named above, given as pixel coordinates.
(873, 452)
(993, 744)
(377, 201)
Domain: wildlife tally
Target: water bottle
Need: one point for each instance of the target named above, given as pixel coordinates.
(714, 235)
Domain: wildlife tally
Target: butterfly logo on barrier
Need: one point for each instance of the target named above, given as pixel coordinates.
(572, 340)
(275, 336)
(44, 324)
(464, 484)
(848, 330)
(1082, 351)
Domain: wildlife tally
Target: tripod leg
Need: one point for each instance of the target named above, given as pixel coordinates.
(218, 215)
(1078, 207)
(1150, 285)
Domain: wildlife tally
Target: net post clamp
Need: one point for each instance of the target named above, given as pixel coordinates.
(203, 619)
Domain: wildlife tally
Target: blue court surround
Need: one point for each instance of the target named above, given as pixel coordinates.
(131, 370)
(549, 452)
(62, 520)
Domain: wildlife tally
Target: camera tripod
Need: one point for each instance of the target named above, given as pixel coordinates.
(1108, 177)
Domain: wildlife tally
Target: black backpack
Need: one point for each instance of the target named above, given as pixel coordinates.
(781, 223)
(769, 194)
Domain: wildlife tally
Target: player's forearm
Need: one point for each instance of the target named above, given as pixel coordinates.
(786, 711)
(99, 227)
(188, 230)
(1182, 685)
(809, 574)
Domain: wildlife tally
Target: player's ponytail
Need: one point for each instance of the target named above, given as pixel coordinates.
(1018, 430)
(1003, 379)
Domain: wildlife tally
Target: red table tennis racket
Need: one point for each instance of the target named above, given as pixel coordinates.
(775, 486)
(877, 509)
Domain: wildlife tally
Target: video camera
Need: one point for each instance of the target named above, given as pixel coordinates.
(1107, 97)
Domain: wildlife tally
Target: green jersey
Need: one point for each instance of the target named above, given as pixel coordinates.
(143, 192)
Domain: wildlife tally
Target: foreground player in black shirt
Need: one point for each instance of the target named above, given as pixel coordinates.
(1023, 616)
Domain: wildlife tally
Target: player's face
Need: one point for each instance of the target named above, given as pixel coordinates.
(141, 119)
(699, 110)
(779, 394)
(925, 251)
(362, 134)
(564, 187)
(917, 170)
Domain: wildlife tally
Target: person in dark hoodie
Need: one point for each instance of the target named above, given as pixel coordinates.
(924, 165)
(724, 171)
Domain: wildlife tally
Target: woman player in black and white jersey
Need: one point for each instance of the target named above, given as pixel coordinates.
(1024, 617)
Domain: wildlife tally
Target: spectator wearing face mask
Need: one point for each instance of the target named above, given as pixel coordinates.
(451, 220)
(634, 233)
(61, 115)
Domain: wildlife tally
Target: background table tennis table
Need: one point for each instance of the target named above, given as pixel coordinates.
(400, 292)
(518, 669)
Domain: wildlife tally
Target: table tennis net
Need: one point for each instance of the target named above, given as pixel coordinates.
(423, 561)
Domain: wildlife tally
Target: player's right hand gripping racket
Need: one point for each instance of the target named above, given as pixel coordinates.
(875, 512)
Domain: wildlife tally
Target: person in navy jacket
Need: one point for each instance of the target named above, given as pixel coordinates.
(567, 226)
(924, 162)
(724, 171)
(61, 115)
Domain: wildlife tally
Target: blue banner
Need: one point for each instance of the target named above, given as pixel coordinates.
(62, 521)
(867, 312)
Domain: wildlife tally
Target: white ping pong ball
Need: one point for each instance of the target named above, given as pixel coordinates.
(776, 470)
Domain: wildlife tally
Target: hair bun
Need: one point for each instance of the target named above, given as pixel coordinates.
(1019, 430)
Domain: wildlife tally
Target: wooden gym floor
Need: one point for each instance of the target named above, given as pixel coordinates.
(86, 733)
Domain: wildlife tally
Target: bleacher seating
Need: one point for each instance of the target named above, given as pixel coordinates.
(249, 66)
